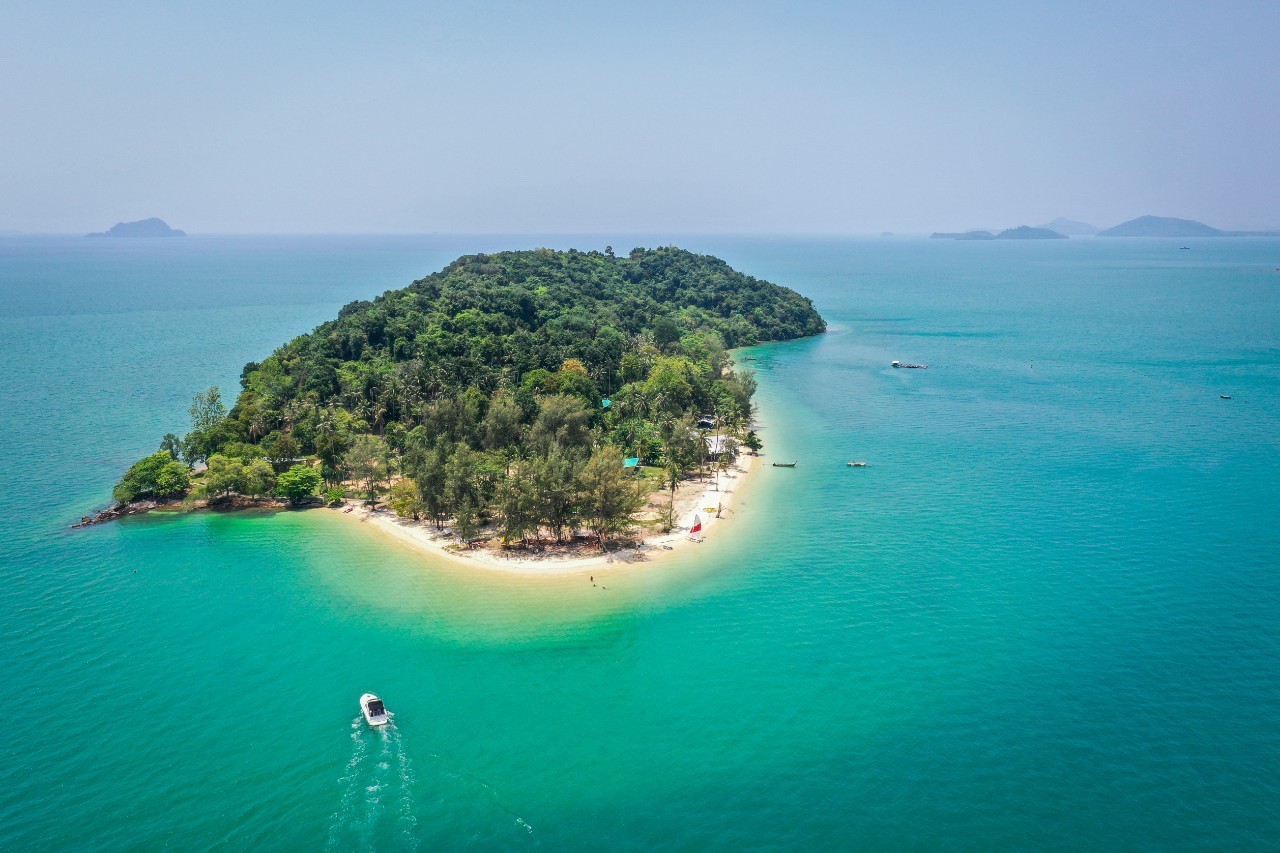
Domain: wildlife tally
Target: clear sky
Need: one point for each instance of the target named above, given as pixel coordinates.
(741, 117)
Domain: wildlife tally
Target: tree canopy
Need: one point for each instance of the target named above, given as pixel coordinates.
(533, 323)
(504, 387)
(298, 483)
(156, 476)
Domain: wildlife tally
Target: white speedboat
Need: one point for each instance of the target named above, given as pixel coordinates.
(375, 713)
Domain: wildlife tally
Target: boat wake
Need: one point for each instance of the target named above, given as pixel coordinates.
(376, 808)
(377, 791)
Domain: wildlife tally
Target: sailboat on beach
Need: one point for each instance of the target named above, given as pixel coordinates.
(696, 529)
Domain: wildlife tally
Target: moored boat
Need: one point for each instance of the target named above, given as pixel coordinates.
(857, 464)
(375, 713)
(784, 464)
(908, 365)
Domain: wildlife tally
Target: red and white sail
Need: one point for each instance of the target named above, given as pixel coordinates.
(697, 524)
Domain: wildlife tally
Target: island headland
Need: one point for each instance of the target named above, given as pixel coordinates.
(517, 408)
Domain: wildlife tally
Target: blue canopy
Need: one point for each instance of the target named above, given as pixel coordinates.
(631, 463)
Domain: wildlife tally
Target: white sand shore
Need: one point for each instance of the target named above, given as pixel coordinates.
(711, 504)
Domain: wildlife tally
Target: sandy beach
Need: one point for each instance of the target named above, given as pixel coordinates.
(711, 501)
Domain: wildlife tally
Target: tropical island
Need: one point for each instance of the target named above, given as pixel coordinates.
(1143, 226)
(143, 228)
(1070, 227)
(1172, 227)
(1026, 232)
(517, 400)
(1022, 232)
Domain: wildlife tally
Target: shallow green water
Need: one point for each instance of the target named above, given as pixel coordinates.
(1046, 615)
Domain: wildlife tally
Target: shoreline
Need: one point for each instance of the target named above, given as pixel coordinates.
(430, 542)
(713, 500)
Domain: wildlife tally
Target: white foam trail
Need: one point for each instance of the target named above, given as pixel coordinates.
(408, 820)
(350, 783)
(373, 790)
(371, 776)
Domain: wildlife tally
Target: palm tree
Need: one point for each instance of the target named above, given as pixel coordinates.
(682, 447)
(258, 425)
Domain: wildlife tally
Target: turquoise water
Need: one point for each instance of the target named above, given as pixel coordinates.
(1048, 615)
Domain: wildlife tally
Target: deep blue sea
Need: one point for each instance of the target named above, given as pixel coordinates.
(1046, 616)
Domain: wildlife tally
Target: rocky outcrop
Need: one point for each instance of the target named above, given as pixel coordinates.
(230, 502)
(120, 510)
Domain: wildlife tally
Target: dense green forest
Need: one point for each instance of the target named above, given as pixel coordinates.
(505, 388)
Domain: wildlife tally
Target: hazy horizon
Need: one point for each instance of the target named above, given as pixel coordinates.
(812, 119)
(603, 235)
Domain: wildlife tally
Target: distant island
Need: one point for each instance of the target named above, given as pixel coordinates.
(962, 235)
(1022, 232)
(1143, 226)
(1026, 232)
(1181, 229)
(515, 398)
(1071, 227)
(149, 228)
